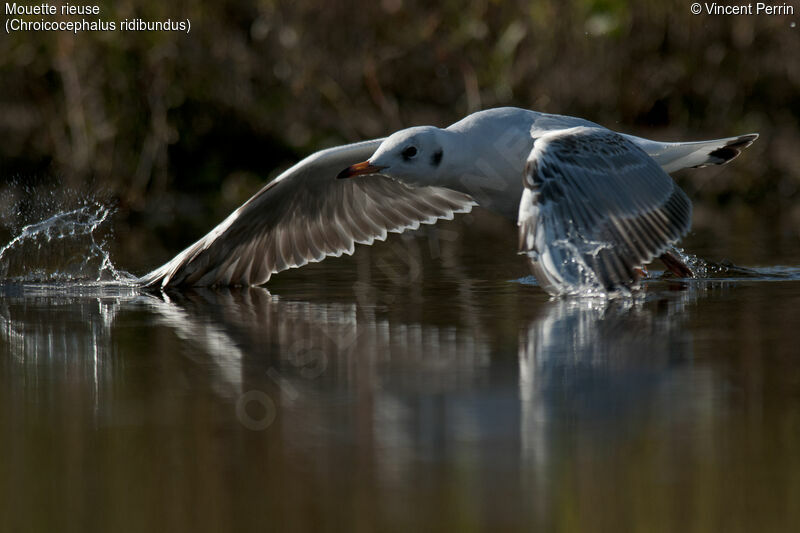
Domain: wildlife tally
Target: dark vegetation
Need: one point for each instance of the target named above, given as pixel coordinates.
(181, 128)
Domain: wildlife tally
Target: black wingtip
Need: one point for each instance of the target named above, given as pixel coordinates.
(733, 148)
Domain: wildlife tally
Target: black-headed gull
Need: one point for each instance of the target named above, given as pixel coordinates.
(596, 204)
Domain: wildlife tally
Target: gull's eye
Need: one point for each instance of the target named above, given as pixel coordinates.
(409, 153)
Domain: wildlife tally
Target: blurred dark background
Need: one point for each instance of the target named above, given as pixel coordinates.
(179, 129)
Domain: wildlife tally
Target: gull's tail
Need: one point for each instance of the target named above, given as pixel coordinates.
(675, 156)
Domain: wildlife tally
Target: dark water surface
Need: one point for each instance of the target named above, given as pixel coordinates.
(413, 386)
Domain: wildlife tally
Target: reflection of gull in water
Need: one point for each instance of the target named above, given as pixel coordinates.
(205, 335)
(336, 370)
(587, 366)
(298, 341)
(600, 335)
(246, 339)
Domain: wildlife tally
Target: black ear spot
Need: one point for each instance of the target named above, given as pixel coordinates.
(436, 158)
(409, 153)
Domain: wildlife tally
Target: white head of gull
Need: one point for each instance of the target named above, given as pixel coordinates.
(592, 205)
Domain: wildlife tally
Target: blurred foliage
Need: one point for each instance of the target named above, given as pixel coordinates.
(176, 123)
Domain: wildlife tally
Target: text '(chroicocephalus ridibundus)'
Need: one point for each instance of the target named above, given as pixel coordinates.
(596, 204)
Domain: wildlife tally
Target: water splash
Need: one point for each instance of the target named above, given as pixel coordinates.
(722, 270)
(65, 247)
(571, 272)
(579, 279)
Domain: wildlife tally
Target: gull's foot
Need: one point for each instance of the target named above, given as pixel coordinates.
(675, 265)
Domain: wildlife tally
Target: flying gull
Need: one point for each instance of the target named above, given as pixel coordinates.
(592, 204)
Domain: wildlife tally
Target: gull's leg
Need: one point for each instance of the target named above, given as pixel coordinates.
(675, 265)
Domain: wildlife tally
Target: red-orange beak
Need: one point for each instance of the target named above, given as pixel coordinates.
(359, 169)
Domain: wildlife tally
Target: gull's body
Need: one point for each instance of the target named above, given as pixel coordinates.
(419, 175)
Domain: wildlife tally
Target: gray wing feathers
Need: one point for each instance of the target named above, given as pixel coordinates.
(597, 204)
(303, 216)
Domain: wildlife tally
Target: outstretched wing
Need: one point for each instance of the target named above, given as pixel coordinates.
(303, 216)
(595, 207)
